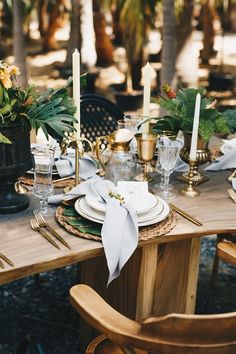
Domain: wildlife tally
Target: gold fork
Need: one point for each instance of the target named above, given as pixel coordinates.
(35, 226)
(232, 194)
(42, 223)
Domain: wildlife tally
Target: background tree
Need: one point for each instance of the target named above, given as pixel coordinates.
(168, 52)
(104, 47)
(19, 44)
(136, 17)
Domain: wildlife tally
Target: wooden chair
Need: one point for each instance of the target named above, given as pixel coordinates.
(221, 238)
(167, 334)
(227, 252)
(99, 116)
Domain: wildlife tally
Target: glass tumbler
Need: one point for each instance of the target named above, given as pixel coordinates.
(43, 186)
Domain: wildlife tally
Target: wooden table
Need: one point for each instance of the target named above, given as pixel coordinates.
(160, 277)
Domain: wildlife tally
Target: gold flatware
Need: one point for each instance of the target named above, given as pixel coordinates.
(42, 223)
(2, 265)
(6, 259)
(62, 179)
(35, 226)
(185, 215)
(232, 194)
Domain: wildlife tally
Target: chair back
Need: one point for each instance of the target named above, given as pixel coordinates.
(169, 334)
(99, 116)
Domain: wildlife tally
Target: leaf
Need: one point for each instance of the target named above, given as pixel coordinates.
(70, 211)
(85, 226)
(4, 139)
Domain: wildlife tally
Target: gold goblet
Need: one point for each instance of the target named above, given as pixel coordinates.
(146, 146)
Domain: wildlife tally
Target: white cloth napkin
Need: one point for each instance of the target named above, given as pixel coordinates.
(75, 192)
(228, 160)
(119, 230)
(66, 166)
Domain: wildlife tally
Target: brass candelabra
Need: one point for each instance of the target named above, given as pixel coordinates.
(190, 191)
(72, 140)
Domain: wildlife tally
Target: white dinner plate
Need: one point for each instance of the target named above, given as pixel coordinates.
(143, 204)
(89, 213)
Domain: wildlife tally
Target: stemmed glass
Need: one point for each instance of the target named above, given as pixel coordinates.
(43, 186)
(168, 155)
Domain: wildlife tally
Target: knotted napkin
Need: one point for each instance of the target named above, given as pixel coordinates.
(120, 228)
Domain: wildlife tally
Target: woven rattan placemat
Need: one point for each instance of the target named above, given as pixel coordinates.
(145, 232)
(29, 181)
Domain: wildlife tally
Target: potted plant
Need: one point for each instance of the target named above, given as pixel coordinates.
(21, 110)
(180, 108)
(135, 18)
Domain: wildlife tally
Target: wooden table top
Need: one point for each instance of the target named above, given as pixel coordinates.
(32, 254)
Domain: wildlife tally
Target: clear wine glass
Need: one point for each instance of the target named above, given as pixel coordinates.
(161, 184)
(43, 186)
(168, 155)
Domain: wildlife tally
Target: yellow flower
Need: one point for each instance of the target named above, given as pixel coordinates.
(14, 70)
(5, 79)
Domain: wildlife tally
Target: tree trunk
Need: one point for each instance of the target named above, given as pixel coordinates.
(103, 43)
(208, 15)
(75, 35)
(187, 57)
(168, 53)
(116, 25)
(19, 45)
(88, 50)
(55, 20)
(42, 17)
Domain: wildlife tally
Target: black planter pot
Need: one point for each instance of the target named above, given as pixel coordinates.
(15, 160)
(129, 101)
(219, 81)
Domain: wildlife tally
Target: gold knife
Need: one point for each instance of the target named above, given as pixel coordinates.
(61, 239)
(2, 265)
(6, 259)
(185, 215)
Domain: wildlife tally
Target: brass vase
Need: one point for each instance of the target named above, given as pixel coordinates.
(203, 156)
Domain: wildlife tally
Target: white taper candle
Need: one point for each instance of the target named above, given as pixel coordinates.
(76, 87)
(193, 148)
(146, 95)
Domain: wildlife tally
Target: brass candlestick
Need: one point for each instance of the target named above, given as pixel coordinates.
(76, 143)
(190, 191)
(203, 156)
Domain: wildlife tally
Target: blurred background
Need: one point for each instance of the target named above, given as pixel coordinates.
(191, 43)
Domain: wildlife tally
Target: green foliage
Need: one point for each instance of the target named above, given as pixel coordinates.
(181, 112)
(230, 116)
(4, 139)
(52, 111)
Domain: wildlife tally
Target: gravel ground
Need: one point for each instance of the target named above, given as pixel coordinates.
(42, 309)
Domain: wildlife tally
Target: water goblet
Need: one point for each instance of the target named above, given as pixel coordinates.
(168, 155)
(43, 186)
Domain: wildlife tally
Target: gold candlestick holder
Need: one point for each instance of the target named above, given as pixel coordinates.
(190, 191)
(71, 140)
(203, 156)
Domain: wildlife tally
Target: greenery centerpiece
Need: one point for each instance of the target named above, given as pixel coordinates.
(21, 110)
(180, 107)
